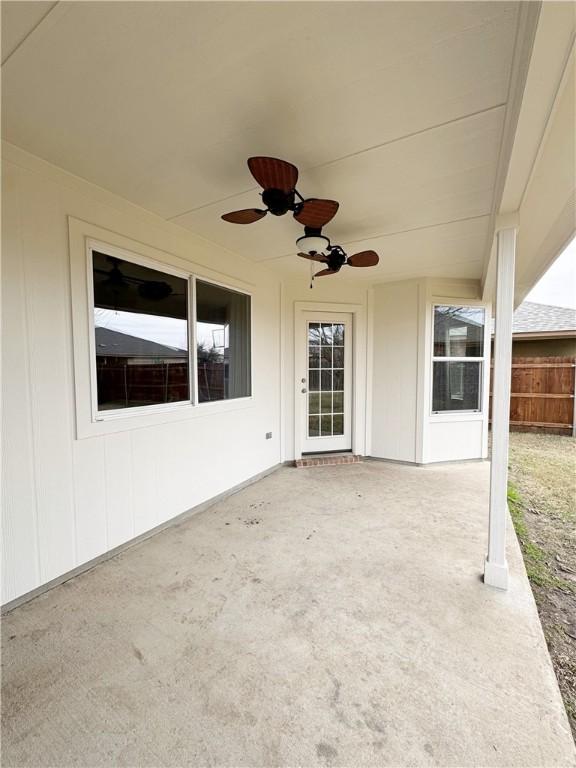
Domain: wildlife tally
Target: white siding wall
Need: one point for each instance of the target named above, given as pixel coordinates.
(403, 427)
(66, 500)
(395, 370)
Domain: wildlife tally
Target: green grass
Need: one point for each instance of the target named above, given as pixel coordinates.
(535, 558)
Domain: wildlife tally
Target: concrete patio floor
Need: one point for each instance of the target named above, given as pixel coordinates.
(326, 616)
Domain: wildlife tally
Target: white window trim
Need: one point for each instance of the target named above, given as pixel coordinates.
(90, 422)
(470, 414)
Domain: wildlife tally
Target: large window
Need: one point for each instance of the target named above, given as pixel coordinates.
(141, 334)
(222, 342)
(458, 358)
(142, 322)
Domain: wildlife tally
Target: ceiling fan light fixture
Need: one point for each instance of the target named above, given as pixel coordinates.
(313, 244)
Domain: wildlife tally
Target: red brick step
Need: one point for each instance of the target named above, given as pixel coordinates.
(327, 459)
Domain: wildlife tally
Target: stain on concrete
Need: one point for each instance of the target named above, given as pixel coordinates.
(138, 653)
(326, 752)
(335, 697)
(373, 723)
(429, 748)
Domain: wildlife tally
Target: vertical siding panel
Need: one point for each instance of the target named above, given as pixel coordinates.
(174, 471)
(90, 485)
(145, 457)
(119, 512)
(20, 557)
(45, 258)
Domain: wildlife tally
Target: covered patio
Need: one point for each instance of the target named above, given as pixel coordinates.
(325, 616)
(415, 164)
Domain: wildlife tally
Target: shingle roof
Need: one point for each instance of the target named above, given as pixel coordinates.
(543, 318)
(111, 343)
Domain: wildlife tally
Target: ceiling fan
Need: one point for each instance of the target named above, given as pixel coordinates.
(336, 258)
(278, 180)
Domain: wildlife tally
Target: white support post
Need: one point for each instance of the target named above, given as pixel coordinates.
(496, 566)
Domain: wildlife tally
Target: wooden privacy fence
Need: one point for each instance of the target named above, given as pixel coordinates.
(542, 394)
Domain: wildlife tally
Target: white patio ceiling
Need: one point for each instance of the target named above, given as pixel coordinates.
(394, 109)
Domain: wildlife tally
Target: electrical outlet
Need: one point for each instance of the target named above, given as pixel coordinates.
(268, 435)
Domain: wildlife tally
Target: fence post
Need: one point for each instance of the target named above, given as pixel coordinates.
(574, 404)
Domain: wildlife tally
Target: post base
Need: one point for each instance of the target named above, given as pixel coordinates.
(496, 575)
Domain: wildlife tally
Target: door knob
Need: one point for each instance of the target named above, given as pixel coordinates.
(303, 390)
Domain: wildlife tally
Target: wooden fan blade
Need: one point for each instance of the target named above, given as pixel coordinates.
(326, 272)
(247, 216)
(272, 173)
(363, 259)
(316, 213)
(314, 257)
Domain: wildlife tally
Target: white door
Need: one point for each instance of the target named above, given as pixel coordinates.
(325, 386)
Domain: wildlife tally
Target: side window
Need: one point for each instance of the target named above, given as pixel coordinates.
(223, 332)
(141, 321)
(458, 358)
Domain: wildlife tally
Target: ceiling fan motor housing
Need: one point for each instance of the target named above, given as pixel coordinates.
(336, 258)
(277, 201)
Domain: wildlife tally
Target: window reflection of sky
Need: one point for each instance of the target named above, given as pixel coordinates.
(163, 330)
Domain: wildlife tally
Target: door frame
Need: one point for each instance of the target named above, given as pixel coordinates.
(359, 373)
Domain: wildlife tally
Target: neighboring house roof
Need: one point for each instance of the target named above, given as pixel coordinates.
(543, 321)
(111, 343)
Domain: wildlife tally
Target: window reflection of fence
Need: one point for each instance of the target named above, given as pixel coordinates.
(122, 383)
(211, 380)
(542, 394)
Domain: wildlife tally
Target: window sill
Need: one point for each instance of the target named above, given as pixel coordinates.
(457, 416)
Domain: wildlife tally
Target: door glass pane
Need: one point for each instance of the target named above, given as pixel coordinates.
(313, 357)
(326, 357)
(314, 333)
(338, 402)
(325, 379)
(326, 425)
(327, 333)
(338, 357)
